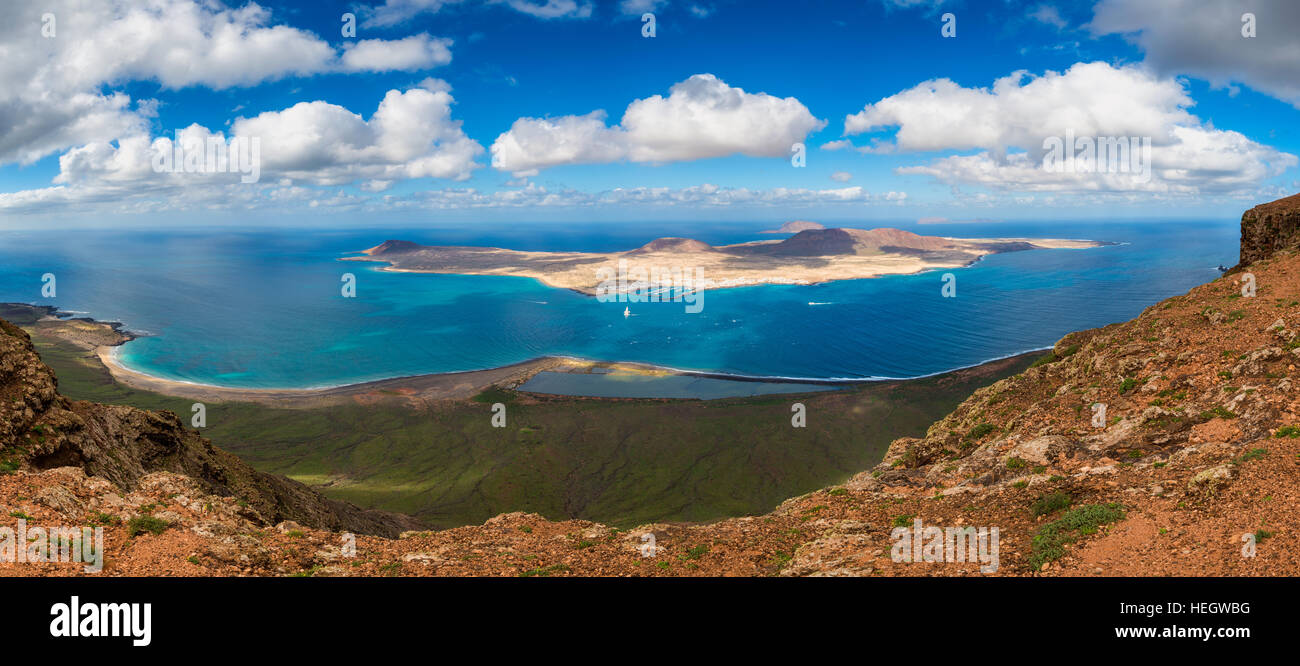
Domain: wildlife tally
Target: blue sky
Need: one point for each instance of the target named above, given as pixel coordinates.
(503, 91)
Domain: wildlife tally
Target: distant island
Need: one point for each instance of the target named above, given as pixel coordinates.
(808, 257)
(794, 227)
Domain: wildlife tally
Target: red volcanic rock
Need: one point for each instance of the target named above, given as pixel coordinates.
(1270, 227)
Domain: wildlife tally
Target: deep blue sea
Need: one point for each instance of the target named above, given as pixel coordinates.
(263, 308)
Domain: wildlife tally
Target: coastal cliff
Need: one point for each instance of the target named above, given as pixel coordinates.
(1153, 447)
(1270, 227)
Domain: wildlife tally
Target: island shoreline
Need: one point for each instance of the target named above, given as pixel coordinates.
(869, 254)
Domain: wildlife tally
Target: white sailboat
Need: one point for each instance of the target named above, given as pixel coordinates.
(627, 312)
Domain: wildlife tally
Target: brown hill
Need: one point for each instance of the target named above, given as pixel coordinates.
(392, 247)
(825, 242)
(671, 244)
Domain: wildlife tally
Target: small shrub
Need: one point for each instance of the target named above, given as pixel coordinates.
(1050, 541)
(1049, 503)
(1049, 357)
(1253, 454)
(1219, 412)
(101, 519)
(696, 552)
(979, 431)
(143, 524)
(1052, 357)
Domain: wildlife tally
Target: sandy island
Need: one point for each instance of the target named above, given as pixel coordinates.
(810, 256)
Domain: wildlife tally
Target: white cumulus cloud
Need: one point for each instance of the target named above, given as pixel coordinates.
(1010, 122)
(1204, 39)
(702, 117)
(56, 92)
(411, 53)
(701, 196)
(410, 135)
(639, 7)
(549, 9)
(393, 12)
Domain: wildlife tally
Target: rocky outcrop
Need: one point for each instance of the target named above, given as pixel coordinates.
(1270, 227)
(43, 430)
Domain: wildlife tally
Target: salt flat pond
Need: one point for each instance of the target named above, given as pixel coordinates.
(637, 385)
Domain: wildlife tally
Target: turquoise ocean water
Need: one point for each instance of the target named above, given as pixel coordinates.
(263, 308)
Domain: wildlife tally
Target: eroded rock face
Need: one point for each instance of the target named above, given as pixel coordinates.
(44, 430)
(1270, 227)
(27, 387)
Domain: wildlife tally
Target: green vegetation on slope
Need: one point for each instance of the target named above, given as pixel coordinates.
(1050, 542)
(621, 462)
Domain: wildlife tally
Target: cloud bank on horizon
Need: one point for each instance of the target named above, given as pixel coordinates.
(489, 107)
